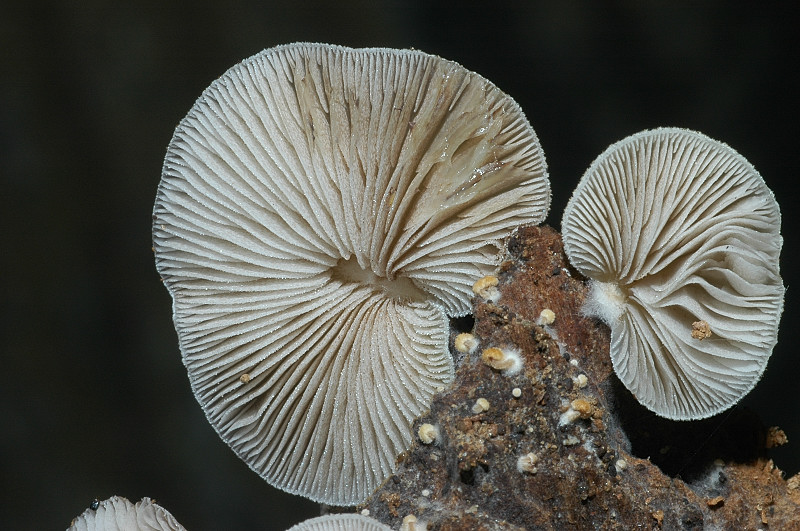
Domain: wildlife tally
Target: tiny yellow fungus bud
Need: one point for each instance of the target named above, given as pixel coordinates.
(244, 378)
(581, 380)
(527, 463)
(701, 330)
(494, 358)
(583, 407)
(621, 465)
(466, 343)
(546, 317)
(480, 406)
(508, 360)
(486, 287)
(428, 433)
(516, 392)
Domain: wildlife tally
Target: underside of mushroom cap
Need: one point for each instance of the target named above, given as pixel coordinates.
(119, 514)
(680, 237)
(322, 211)
(340, 522)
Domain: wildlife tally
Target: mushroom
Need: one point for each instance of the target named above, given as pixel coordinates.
(673, 229)
(322, 212)
(117, 513)
(340, 522)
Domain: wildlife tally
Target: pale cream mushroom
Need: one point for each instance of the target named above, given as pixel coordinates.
(119, 514)
(340, 522)
(674, 228)
(321, 213)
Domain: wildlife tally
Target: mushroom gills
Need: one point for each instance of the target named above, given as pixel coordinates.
(349, 271)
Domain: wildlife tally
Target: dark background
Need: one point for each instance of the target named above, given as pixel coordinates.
(94, 400)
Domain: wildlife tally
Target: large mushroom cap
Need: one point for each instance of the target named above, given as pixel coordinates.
(322, 210)
(681, 238)
(119, 514)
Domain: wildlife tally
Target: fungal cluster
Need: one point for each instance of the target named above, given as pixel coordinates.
(323, 212)
(516, 462)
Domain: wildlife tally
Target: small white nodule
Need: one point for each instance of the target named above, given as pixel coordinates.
(581, 381)
(568, 417)
(527, 463)
(480, 406)
(546, 317)
(466, 343)
(428, 433)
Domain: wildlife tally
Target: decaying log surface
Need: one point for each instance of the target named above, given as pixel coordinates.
(578, 429)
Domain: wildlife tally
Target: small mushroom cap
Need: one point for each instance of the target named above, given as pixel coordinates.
(340, 522)
(466, 343)
(673, 228)
(119, 514)
(428, 433)
(321, 213)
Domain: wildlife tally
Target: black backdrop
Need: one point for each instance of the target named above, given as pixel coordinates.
(94, 400)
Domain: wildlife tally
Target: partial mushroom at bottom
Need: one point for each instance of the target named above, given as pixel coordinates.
(322, 213)
(119, 514)
(340, 522)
